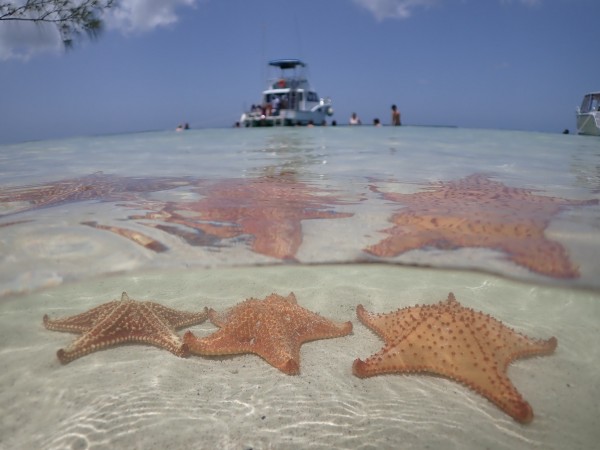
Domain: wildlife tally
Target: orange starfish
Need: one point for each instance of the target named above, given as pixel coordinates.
(478, 212)
(97, 186)
(122, 321)
(269, 209)
(273, 328)
(459, 343)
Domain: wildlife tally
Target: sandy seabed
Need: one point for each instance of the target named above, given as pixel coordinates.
(141, 397)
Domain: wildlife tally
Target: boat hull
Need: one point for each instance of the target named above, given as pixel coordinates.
(285, 118)
(588, 123)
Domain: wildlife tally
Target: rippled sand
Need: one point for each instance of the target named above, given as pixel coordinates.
(143, 397)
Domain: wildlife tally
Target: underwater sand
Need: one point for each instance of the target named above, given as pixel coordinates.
(142, 397)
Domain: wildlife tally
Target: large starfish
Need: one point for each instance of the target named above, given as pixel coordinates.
(459, 343)
(97, 186)
(478, 212)
(122, 321)
(269, 209)
(273, 328)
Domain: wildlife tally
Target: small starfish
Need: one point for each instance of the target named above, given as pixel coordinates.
(273, 328)
(122, 321)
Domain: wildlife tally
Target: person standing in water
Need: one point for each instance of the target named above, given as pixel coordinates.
(354, 120)
(395, 116)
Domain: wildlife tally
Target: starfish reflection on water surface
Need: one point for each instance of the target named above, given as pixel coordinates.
(269, 209)
(122, 321)
(273, 328)
(455, 342)
(97, 186)
(135, 236)
(478, 212)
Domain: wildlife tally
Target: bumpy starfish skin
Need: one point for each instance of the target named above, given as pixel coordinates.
(459, 343)
(273, 328)
(122, 321)
(478, 212)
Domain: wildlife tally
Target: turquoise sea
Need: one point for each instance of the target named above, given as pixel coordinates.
(384, 217)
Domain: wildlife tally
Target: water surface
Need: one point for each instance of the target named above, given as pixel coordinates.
(211, 217)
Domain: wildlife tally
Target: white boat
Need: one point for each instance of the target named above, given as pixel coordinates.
(588, 115)
(289, 99)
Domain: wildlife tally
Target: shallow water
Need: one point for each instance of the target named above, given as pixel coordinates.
(143, 397)
(211, 217)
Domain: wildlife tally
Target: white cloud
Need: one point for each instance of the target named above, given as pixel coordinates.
(394, 9)
(23, 40)
(402, 9)
(525, 2)
(144, 15)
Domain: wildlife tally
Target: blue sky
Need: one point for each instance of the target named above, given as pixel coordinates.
(509, 64)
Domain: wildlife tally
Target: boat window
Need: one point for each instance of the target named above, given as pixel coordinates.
(312, 97)
(590, 102)
(586, 103)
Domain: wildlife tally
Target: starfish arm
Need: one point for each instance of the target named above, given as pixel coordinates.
(536, 347)
(274, 344)
(375, 365)
(197, 238)
(542, 256)
(80, 323)
(178, 319)
(291, 298)
(402, 241)
(494, 386)
(382, 324)
(395, 197)
(305, 325)
(134, 236)
(284, 357)
(498, 389)
(123, 326)
(520, 346)
(97, 186)
(280, 237)
(279, 352)
(218, 343)
(222, 230)
(321, 328)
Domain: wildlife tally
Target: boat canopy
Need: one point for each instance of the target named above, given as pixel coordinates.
(590, 103)
(286, 63)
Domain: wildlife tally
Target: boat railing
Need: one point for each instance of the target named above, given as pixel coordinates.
(287, 82)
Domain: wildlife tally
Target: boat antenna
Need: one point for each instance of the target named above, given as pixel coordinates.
(298, 37)
(263, 57)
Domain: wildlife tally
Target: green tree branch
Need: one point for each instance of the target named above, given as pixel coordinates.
(71, 17)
